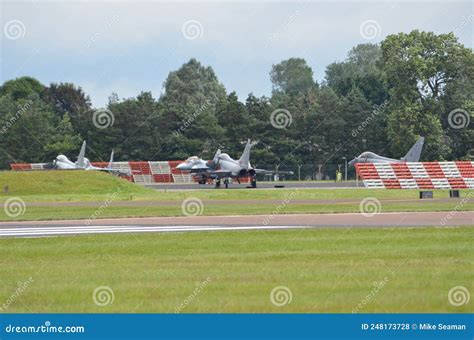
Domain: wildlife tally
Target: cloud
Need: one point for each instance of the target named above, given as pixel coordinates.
(134, 45)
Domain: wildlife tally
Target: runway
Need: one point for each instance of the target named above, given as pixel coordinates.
(154, 203)
(260, 185)
(233, 223)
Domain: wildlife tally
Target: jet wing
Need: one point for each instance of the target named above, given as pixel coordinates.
(198, 170)
(114, 171)
(215, 174)
(219, 173)
(120, 172)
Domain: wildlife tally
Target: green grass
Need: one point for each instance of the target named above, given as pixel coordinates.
(81, 186)
(57, 213)
(54, 184)
(326, 270)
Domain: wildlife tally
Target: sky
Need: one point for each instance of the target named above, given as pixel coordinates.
(128, 47)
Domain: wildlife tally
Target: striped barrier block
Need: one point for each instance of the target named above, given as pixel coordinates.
(121, 166)
(140, 168)
(99, 164)
(417, 175)
(38, 166)
(160, 168)
(21, 166)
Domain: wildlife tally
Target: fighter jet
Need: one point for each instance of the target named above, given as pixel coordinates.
(222, 166)
(412, 156)
(200, 168)
(63, 163)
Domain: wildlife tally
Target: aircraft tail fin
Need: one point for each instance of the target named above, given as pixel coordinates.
(415, 152)
(245, 158)
(80, 159)
(215, 160)
(111, 162)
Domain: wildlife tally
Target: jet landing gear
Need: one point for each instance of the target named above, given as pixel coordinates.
(218, 183)
(253, 182)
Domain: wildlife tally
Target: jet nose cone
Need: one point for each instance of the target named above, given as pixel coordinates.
(182, 166)
(352, 162)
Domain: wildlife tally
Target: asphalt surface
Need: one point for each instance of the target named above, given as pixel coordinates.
(260, 185)
(229, 202)
(234, 223)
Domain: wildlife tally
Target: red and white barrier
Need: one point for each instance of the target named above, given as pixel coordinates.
(417, 175)
(141, 172)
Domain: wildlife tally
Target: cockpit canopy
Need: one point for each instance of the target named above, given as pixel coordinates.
(225, 157)
(62, 158)
(367, 155)
(192, 159)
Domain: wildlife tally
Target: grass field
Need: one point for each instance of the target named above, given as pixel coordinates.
(58, 213)
(324, 270)
(102, 189)
(53, 184)
(80, 186)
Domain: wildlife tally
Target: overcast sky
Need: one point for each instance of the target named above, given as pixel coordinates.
(127, 47)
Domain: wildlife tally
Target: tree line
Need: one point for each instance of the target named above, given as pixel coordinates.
(381, 98)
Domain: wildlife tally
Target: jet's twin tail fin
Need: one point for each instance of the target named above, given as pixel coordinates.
(80, 159)
(415, 152)
(111, 162)
(215, 160)
(245, 158)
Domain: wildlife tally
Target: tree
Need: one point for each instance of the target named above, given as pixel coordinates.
(359, 71)
(292, 76)
(66, 98)
(22, 88)
(233, 117)
(131, 131)
(381, 98)
(188, 107)
(63, 140)
(27, 128)
(420, 68)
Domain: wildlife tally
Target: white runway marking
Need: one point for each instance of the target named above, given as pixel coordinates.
(109, 229)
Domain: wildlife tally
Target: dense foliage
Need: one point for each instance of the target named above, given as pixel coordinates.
(381, 98)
